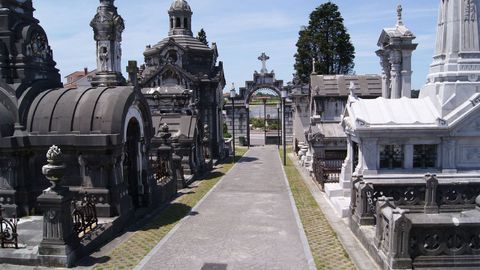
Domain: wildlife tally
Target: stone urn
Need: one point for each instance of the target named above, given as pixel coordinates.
(55, 169)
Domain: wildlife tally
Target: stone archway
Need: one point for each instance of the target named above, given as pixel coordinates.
(263, 122)
(132, 164)
(238, 114)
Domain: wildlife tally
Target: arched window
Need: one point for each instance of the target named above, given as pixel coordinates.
(185, 23)
(171, 22)
(177, 23)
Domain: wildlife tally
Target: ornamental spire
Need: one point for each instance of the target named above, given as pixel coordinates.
(399, 15)
(108, 27)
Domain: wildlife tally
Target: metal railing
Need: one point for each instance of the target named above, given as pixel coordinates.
(8, 231)
(326, 171)
(84, 215)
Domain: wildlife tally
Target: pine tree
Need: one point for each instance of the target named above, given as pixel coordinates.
(326, 40)
(202, 36)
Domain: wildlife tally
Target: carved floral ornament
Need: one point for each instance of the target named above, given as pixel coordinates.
(470, 10)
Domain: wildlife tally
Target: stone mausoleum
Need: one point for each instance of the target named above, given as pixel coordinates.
(183, 84)
(414, 190)
(112, 158)
(104, 129)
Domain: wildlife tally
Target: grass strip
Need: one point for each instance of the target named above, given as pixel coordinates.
(327, 250)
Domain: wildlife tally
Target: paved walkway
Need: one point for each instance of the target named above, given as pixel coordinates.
(247, 222)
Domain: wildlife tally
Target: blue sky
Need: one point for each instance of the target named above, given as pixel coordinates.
(242, 30)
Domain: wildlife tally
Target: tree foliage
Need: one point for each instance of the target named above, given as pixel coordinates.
(326, 40)
(202, 36)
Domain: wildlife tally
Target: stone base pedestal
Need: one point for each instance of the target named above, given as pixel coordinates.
(60, 244)
(339, 197)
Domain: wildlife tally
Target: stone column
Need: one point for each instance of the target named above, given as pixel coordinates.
(448, 156)
(59, 244)
(369, 156)
(347, 167)
(384, 63)
(396, 81)
(406, 73)
(408, 156)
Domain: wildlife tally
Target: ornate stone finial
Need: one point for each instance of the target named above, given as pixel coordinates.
(399, 15)
(352, 89)
(55, 169)
(264, 58)
(164, 133)
(108, 27)
(206, 129)
(54, 154)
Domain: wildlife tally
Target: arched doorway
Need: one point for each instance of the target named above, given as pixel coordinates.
(263, 116)
(132, 163)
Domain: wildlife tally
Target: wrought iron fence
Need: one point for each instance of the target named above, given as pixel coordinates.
(8, 231)
(84, 215)
(326, 171)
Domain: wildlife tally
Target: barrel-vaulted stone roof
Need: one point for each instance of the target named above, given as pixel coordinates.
(85, 110)
(394, 112)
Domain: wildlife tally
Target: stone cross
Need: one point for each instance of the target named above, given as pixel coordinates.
(399, 15)
(132, 71)
(264, 58)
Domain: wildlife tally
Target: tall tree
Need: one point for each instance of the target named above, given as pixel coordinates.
(202, 36)
(326, 40)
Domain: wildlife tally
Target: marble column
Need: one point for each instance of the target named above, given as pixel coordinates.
(396, 81)
(347, 167)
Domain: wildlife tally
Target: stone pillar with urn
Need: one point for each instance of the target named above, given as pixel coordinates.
(59, 246)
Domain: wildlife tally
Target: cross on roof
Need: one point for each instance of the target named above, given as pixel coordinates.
(264, 58)
(399, 15)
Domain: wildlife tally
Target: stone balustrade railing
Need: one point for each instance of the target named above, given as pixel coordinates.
(407, 240)
(427, 196)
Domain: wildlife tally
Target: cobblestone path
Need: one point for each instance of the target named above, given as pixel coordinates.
(248, 222)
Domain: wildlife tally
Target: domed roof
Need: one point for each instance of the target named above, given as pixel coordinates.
(180, 5)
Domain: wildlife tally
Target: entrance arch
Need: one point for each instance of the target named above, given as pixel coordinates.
(238, 115)
(132, 167)
(263, 116)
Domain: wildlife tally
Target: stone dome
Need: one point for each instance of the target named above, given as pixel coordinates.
(180, 5)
